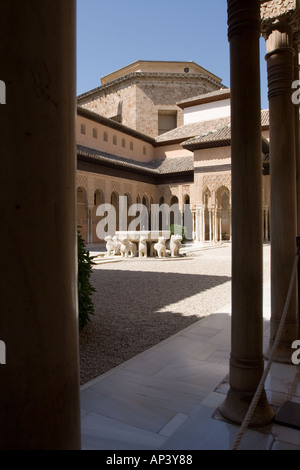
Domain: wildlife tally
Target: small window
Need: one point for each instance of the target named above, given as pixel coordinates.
(83, 129)
(95, 133)
(167, 120)
(105, 137)
(115, 140)
(144, 150)
(123, 143)
(131, 145)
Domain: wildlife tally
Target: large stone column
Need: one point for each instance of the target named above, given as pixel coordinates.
(280, 62)
(246, 361)
(297, 131)
(39, 405)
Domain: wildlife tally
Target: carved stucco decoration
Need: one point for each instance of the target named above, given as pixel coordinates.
(186, 189)
(81, 181)
(281, 15)
(214, 182)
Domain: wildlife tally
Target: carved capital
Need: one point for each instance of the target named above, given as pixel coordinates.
(280, 15)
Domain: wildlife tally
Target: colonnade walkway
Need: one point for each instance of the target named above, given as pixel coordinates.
(167, 397)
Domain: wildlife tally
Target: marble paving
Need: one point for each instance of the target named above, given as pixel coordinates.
(167, 397)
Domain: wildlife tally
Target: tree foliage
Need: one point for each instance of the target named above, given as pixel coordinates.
(85, 288)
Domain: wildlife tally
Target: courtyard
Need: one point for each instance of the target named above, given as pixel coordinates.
(139, 303)
(163, 384)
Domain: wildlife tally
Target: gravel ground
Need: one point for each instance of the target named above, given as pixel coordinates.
(139, 303)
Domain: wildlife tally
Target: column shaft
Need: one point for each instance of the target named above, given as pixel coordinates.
(246, 362)
(297, 141)
(39, 406)
(210, 226)
(280, 62)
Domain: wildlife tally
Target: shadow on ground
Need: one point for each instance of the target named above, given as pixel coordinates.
(127, 319)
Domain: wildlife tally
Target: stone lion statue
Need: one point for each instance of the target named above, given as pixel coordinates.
(127, 248)
(117, 249)
(110, 245)
(175, 245)
(160, 247)
(113, 245)
(143, 247)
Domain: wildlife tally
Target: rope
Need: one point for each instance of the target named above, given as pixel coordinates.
(261, 384)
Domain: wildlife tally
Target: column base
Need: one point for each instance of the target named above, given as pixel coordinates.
(236, 405)
(283, 354)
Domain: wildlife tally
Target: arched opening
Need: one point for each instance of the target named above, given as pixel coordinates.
(98, 200)
(187, 217)
(82, 212)
(145, 225)
(161, 202)
(207, 215)
(223, 213)
(150, 211)
(174, 201)
(186, 199)
(129, 203)
(114, 200)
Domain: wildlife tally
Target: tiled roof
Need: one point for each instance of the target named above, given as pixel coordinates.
(216, 138)
(223, 93)
(154, 167)
(222, 137)
(192, 130)
(203, 129)
(174, 165)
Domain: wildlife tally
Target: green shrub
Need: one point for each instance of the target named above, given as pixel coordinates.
(178, 230)
(85, 288)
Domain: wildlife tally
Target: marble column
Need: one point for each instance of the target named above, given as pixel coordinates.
(220, 224)
(297, 131)
(215, 225)
(89, 226)
(246, 361)
(39, 404)
(280, 63)
(194, 224)
(210, 226)
(198, 224)
(203, 223)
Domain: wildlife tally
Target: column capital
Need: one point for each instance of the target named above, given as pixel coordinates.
(281, 16)
(243, 16)
(280, 62)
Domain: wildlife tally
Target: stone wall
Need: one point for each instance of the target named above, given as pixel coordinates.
(139, 97)
(117, 100)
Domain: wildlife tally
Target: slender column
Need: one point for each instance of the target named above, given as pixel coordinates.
(220, 224)
(39, 404)
(203, 223)
(230, 223)
(198, 225)
(194, 225)
(210, 225)
(280, 62)
(246, 362)
(215, 218)
(89, 226)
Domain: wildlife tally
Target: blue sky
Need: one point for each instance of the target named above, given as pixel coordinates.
(112, 34)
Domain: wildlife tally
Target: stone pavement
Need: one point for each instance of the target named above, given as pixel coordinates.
(167, 397)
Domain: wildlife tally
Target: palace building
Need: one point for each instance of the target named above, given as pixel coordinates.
(159, 132)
